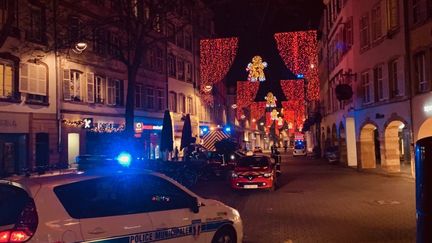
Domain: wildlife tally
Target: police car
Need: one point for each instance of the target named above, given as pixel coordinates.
(121, 206)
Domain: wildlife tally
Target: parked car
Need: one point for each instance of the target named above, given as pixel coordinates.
(110, 206)
(332, 154)
(257, 150)
(254, 172)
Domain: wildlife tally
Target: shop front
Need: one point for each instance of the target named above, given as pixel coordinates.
(90, 135)
(27, 140)
(148, 135)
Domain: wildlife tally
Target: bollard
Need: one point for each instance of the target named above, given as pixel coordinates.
(423, 168)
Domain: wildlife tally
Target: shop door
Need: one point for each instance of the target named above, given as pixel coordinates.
(7, 158)
(73, 147)
(42, 149)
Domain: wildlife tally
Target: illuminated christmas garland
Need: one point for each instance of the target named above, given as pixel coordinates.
(299, 52)
(98, 128)
(246, 92)
(216, 57)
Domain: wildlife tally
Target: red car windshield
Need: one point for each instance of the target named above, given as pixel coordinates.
(253, 161)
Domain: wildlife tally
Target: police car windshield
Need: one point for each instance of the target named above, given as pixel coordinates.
(299, 147)
(253, 161)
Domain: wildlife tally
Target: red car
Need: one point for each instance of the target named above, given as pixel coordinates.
(254, 172)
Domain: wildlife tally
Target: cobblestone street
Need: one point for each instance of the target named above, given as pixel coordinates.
(318, 202)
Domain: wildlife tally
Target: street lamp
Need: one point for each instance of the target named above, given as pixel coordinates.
(79, 47)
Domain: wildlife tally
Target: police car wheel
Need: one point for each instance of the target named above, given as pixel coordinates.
(225, 235)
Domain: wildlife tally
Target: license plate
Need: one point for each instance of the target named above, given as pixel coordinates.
(250, 186)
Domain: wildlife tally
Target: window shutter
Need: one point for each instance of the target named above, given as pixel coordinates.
(42, 80)
(33, 79)
(66, 84)
(90, 88)
(110, 93)
(401, 76)
(24, 79)
(121, 92)
(385, 80)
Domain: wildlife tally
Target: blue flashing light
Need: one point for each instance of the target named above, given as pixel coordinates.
(205, 129)
(300, 75)
(124, 159)
(227, 129)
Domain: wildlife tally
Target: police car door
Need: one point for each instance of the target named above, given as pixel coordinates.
(111, 209)
(172, 215)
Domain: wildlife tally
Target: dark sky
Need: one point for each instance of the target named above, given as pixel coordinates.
(238, 17)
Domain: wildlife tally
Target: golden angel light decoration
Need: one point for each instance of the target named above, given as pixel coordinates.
(271, 100)
(256, 69)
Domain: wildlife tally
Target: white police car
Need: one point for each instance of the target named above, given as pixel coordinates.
(111, 207)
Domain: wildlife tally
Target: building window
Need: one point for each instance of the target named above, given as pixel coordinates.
(172, 66)
(367, 88)
(188, 41)
(376, 22)
(72, 85)
(182, 103)
(114, 45)
(180, 38)
(99, 41)
(189, 72)
(160, 100)
(170, 32)
(34, 82)
(364, 32)
(172, 99)
(348, 34)
(180, 69)
(379, 82)
(159, 60)
(100, 89)
(150, 98)
(118, 92)
(420, 72)
(396, 88)
(139, 96)
(190, 109)
(4, 9)
(115, 92)
(74, 29)
(6, 79)
(393, 14)
(36, 27)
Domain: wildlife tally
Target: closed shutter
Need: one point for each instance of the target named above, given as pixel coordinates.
(42, 80)
(33, 79)
(90, 88)
(401, 76)
(385, 80)
(121, 101)
(24, 79)
(66, 84)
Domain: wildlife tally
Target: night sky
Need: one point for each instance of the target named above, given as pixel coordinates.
(239, 17)
(255, 22)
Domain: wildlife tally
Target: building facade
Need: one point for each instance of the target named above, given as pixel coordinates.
(63, 89)
(364, 47)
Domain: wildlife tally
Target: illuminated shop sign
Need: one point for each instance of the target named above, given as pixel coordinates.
(140, 127)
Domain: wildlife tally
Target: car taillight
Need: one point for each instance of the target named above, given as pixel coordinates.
(4, 236)
(25, 228)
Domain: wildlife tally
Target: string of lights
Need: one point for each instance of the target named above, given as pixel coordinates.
(216, 57)
(299, 52)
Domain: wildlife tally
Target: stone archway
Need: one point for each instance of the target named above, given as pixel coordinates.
(425, 129)
(368, 153)
(396, 143)
(342, 144)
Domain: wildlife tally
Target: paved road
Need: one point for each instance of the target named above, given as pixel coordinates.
(318, 202)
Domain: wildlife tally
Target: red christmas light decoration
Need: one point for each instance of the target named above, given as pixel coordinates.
(246, 92)
(216, 57)
(299, 52)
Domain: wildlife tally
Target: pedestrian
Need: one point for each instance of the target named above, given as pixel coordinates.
(176, 153)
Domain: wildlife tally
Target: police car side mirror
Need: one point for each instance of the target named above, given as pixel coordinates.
(194, 205)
